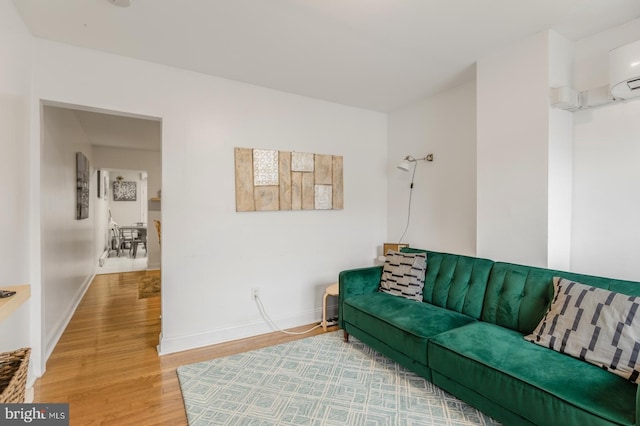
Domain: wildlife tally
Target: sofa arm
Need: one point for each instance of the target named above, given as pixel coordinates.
(357, 281)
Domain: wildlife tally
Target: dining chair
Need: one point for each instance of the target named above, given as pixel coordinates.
(139, 237)
(116, 239)
(127, 237)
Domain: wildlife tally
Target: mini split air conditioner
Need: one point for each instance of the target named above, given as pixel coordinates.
(624, 71)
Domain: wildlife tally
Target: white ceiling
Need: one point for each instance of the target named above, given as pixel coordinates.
(374, 54)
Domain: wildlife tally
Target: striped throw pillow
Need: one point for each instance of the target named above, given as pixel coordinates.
(596, 325)
(403, 274)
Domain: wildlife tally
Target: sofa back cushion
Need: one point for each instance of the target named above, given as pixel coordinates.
(455, 282)
(403, 274)
(518, 296)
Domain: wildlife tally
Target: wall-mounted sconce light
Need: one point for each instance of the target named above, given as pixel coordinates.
(405, 165)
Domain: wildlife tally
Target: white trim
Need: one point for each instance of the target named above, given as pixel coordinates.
(58, 329)
(144, 201)
(29, 394)
(251, 329)
(37, 362)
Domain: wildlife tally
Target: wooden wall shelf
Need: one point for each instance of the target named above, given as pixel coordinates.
(8, 305)
(155, 204)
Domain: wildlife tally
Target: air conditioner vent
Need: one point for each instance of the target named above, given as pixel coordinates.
(634, 84)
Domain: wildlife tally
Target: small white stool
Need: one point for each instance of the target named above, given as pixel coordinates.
(332, 290)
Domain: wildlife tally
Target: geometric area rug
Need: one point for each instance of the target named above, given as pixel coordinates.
(318, 380)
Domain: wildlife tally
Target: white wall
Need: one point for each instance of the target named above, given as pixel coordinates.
(68, 253)
(555, 189)
(513, 86)
(522, 182)
(100, 211)
(606, 200)
(606, 224)
(444, 197)
(560, 189)
(560, 161)
(213, 256)
(135, 159)
(15, 83)
(524, 153)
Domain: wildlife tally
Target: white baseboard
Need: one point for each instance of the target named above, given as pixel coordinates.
(103, 257)
(207, 338)
(55, 334)
(29, 394)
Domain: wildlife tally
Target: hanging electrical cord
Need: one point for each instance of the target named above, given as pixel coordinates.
(268, 320)
(405, 166)
(413, 175)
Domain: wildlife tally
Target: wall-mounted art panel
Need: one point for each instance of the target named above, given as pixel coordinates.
(296, 190)
(265, 167)
(336, 187)
(82, 186)
(284, 174)
(268, 180)
(323, 194)
(308, 192)
(301, 162)
(266, 198)
(244, 180)
(322, 172)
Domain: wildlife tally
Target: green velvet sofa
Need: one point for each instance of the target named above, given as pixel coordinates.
(467, 338)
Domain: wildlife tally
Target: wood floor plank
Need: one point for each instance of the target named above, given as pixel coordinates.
(106, 365)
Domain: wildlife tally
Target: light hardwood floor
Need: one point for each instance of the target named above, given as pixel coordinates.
(106, 365)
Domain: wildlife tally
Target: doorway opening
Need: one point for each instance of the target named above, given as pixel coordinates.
(114, 144)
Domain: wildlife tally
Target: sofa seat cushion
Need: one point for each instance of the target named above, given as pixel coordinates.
(526, 378)
(403, 324)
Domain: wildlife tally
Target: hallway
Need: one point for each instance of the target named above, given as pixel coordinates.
(124, 263)
(106, 365)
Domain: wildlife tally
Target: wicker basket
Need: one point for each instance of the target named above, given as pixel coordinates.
(13, 375)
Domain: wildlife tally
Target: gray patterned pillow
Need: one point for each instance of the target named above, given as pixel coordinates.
(403, 274)
(595, 325)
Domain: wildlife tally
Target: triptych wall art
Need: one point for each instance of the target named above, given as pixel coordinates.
(268, 180)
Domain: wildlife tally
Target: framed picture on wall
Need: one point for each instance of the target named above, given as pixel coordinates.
(82, 186)
(105, 184)
(124, 190)
(100, 184)
(392, 247)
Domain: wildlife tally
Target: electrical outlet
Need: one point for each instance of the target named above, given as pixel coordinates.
(255, 293)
